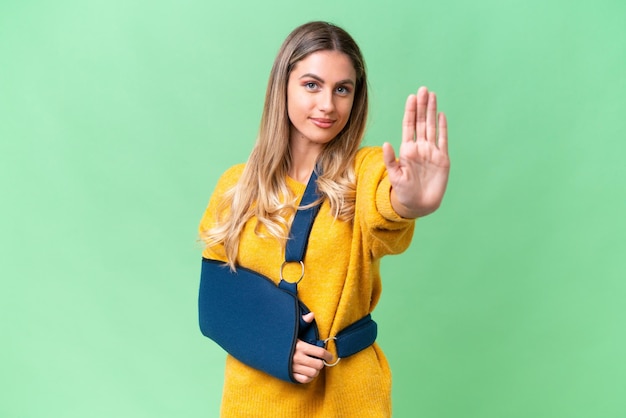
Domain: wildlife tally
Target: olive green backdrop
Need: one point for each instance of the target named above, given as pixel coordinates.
(117, 117)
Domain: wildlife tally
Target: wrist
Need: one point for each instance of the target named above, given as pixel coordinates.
(407, 211)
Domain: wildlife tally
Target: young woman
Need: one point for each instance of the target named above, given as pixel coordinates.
(314, 118)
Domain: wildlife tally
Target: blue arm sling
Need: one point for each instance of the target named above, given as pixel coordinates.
(258, 322)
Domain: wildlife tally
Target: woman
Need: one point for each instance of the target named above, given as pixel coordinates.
(314, 116)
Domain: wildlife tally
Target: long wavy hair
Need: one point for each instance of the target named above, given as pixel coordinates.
(262, 190)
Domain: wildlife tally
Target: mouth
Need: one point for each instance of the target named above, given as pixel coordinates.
(322, 122)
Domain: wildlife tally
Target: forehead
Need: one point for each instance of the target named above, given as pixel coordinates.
(328, 65)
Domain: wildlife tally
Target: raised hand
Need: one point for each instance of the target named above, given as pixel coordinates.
(420, 175)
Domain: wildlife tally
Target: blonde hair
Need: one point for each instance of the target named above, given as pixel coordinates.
(262, 189)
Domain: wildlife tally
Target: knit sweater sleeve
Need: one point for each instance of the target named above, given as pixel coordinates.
(384, 230)
(227, 181)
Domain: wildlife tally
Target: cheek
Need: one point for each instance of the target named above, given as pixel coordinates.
(293, 114)
(345, 115)
(291, 111)
(295, 106)
(347, 109)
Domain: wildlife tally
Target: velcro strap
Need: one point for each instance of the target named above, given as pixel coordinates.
(356, 337)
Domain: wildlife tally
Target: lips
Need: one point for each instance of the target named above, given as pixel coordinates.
(322, 122)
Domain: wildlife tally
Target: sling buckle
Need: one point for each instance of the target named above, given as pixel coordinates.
(282, 267)
(338, 358)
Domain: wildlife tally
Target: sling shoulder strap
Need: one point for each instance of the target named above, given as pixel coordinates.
(303, 222)
(360, 334)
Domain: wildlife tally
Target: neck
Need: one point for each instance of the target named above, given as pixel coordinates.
(303, 159)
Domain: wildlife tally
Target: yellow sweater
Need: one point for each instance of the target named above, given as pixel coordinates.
(341, 285)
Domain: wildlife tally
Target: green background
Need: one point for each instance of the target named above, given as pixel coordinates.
(117, 117)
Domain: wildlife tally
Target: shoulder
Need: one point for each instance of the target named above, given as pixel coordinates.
(370, 171)
(229, 178)
(369, 160)
(233, 173)
(369, 154)
(226, 182)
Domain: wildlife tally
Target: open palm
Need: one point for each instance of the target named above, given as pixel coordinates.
(419, 175)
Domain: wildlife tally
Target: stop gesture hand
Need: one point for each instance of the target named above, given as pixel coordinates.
(420, 175)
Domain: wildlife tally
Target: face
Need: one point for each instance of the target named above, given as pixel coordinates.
(320, 93)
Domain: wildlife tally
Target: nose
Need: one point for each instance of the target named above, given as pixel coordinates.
(326, 102)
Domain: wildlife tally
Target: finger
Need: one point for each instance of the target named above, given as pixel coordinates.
(308, 318)
(316, 352)
(389, 156)
(312, 353)
(431, 118)
(307, 365)
(420, 122)
(443, 133)
(300, 378)
(305, 369)
(327, 356)
(408, 122)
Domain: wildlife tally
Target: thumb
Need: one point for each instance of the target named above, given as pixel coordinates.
(308, 318)
(389, 156)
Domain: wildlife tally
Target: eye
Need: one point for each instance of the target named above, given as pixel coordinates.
(310, 85)
(343, 90)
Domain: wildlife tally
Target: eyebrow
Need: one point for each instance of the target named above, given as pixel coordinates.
(315, 77)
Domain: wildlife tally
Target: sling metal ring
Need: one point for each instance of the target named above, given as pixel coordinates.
(282, 267)
(338, 358)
